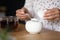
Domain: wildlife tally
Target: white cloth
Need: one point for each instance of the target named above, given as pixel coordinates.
(35, 5)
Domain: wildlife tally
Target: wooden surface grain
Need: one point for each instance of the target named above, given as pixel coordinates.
(43, 35)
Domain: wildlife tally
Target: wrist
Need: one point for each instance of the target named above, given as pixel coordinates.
(28, 16)
(25, 10)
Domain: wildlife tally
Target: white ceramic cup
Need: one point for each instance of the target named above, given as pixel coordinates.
(33, 26)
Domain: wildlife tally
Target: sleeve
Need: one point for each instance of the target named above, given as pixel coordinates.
(29, 6)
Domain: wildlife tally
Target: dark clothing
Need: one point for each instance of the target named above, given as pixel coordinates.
(12, 6)
(2, 2)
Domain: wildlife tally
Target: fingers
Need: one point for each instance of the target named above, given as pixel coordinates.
(52, 14)
(57, 19)
(51, 17)
(20, 15)
(20, 11)
(24, 17)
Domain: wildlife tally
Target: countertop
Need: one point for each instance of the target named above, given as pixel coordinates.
(22, 34)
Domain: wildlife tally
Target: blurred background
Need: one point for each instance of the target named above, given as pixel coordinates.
(9, 7)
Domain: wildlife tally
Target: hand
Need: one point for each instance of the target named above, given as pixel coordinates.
(52, 14)
(23, 14)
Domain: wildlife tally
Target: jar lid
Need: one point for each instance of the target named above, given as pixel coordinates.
(34, 19)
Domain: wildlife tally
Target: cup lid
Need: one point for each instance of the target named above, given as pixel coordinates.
(34, 19)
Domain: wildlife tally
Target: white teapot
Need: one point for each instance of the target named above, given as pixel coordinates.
(33, 26)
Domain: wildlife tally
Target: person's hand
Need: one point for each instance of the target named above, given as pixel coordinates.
(52, 14)
(23, 14)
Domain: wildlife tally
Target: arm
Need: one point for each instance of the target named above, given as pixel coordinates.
(29, 7)
(26, 12)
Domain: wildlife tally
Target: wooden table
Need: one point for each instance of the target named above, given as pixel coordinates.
(44, 35)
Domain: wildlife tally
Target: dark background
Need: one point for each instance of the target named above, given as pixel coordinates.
(12, 6)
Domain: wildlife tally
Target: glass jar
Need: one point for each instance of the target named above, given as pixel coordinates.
(10, 23)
